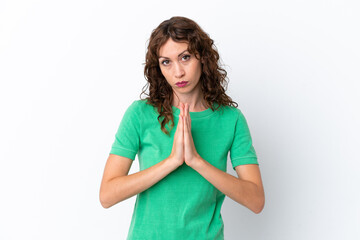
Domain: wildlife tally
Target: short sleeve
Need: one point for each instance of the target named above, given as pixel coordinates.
(242, 150)
(127, 137)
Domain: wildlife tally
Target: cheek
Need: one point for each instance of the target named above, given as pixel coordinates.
(197, 69)
(166, 74)
(162, 70)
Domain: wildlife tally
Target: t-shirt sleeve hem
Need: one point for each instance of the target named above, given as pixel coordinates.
(243, 160)
(123, 152)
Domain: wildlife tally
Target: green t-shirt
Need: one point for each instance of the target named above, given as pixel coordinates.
(182, 205)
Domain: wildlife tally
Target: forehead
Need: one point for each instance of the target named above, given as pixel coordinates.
(171, 49)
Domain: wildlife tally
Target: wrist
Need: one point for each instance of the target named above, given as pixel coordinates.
(171, 162)
(197, 162)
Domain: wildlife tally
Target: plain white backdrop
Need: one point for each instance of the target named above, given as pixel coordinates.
(69, 70)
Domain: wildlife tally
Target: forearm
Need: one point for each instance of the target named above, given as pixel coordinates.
(123, 187)
(244, 192)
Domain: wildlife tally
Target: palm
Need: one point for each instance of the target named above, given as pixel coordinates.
(190, 153)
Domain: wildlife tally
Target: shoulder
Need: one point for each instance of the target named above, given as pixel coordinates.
(137, 105)
(133, 108)
(230, 111)
(142, 107)
(141, 104)
(234, 115)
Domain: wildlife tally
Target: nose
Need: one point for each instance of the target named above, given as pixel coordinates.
(179, 71)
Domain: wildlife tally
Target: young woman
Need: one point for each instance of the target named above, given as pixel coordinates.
(182, 133)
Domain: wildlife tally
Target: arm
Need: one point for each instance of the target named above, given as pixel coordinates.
(117, 185)
(246, 190)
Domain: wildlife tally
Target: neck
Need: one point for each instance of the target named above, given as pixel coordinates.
(196, 103)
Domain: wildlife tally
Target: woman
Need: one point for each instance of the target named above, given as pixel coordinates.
(182, 180)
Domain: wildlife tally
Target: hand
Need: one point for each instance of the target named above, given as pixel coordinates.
(190, 153)
(177, 152)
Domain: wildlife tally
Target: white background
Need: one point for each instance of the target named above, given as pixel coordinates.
(69, 70)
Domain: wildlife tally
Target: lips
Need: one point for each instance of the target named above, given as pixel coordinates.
(181, 83)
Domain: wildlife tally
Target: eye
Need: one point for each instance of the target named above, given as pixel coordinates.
(186, 56)
(164, 62)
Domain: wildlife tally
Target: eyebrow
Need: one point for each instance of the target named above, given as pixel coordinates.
(178, 55)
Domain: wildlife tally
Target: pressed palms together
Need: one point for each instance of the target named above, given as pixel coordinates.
(183, 149)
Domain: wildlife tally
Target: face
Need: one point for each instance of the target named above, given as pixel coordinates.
(178, 65)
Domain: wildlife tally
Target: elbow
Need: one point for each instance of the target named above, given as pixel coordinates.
(105, 205)
(106, 200)
(260, 205)
(259, 209)
(103, 200)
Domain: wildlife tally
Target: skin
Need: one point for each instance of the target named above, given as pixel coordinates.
(117, 185)
(182, 68)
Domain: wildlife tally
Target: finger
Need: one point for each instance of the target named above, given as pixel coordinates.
(181, 122)
(183, 119)
(180, 114)
(190, 121)
(184, 106)
(185, 131)
(188, 125)
(188, 118)
(184, 110)
(181, 109)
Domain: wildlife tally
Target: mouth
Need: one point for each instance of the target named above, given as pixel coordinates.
(181, 84)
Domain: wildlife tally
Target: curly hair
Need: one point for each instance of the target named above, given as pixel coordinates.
(213, 77)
